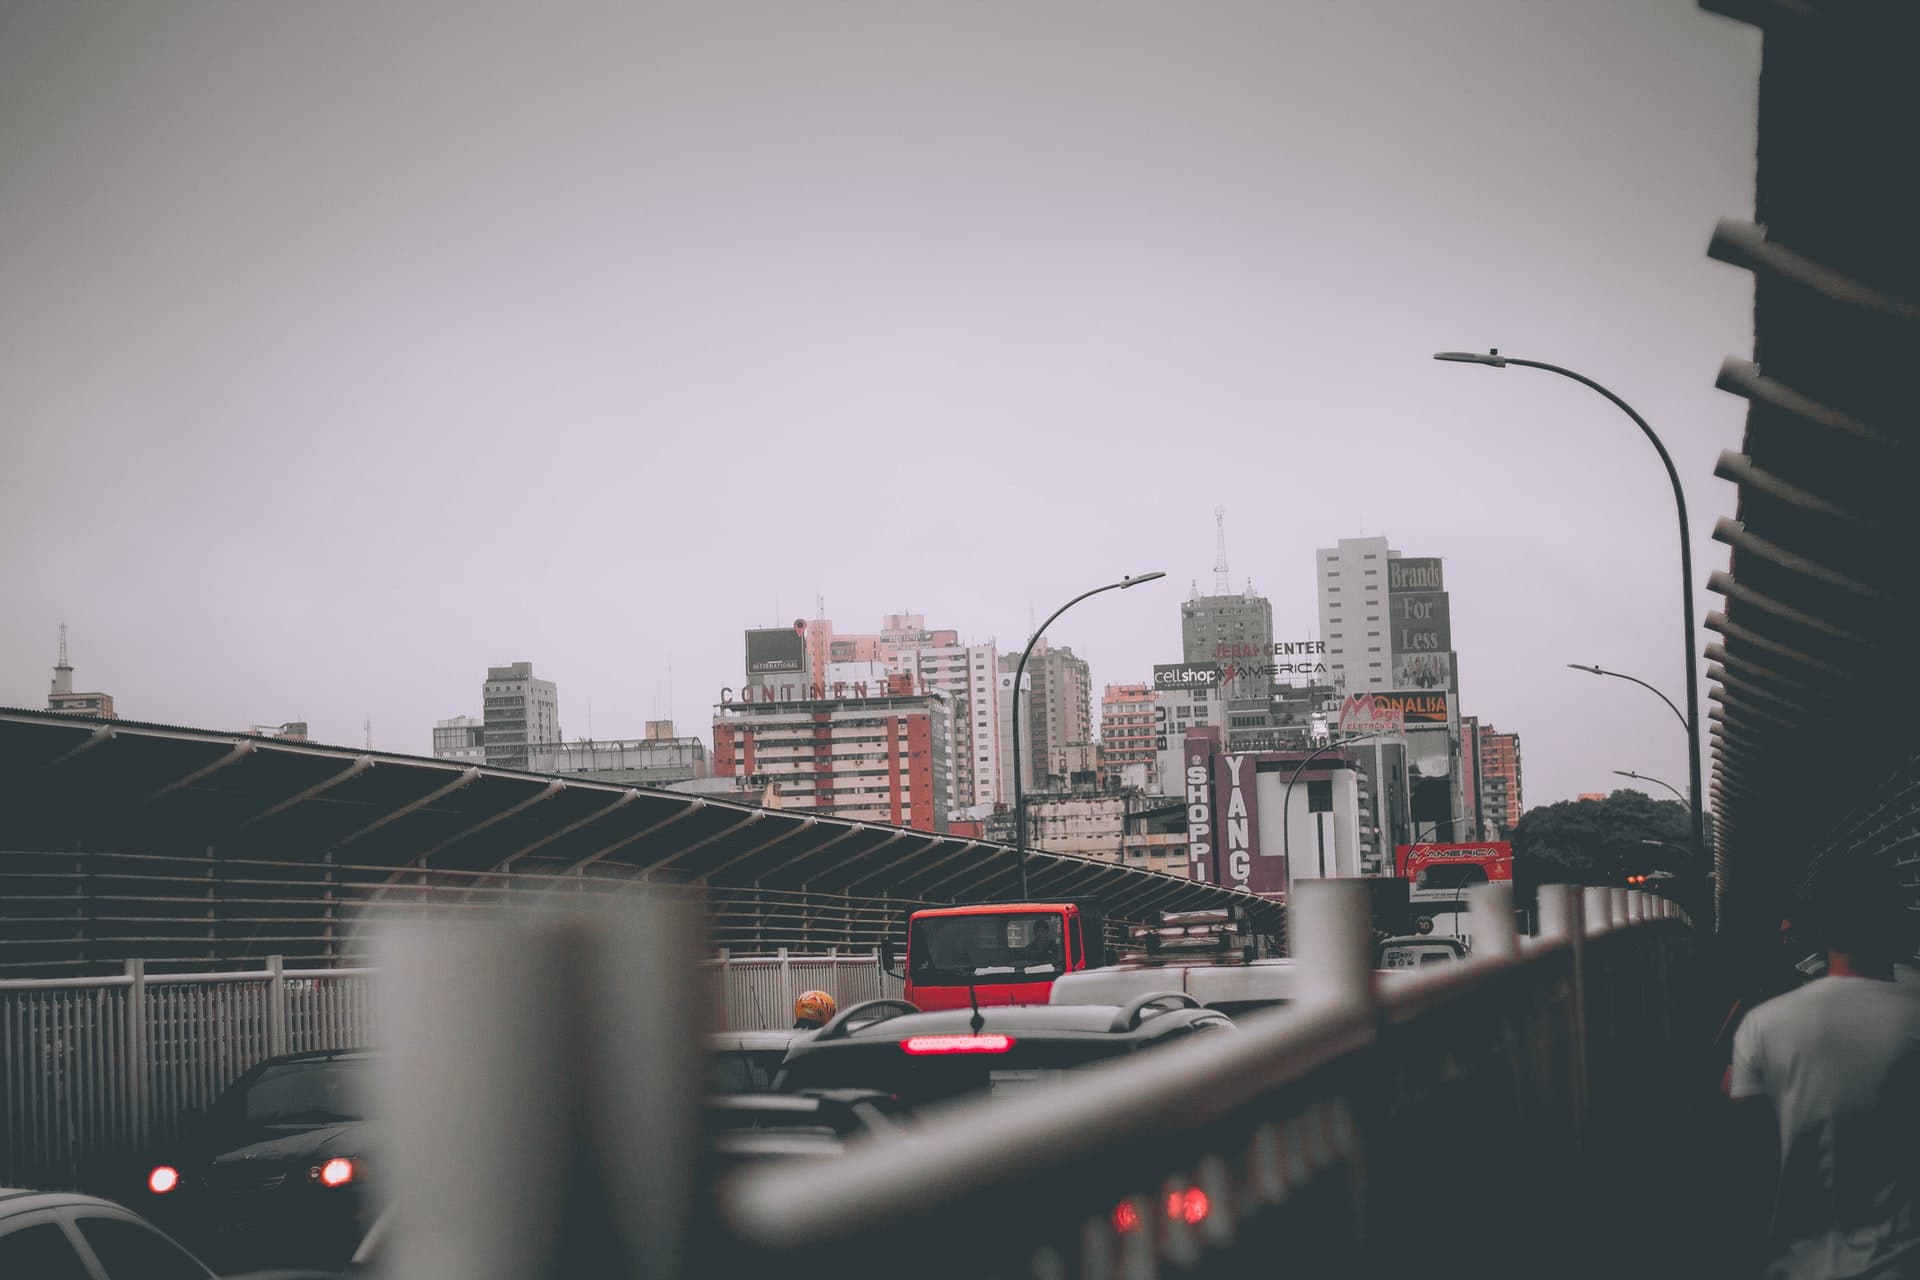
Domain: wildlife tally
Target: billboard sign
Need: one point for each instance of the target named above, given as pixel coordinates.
(1202, 749)
(1187, 675)
(1223, 826)
(1366, 713)
(1417, 707)
(776, 649)
(1417, 574)
(1421, 622)
(1423, 671)
(1494, 857)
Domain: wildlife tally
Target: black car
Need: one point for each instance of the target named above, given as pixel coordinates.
(924, 1058)
(277, 1172)
(749, 1128)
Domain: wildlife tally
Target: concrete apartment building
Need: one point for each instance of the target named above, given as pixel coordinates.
(1127, 736)
(1354, 621)
(461, 738)
(870, 755)
(1498, 771)
(813, 653)
(661, 759)
(1058, 704)
(518, 711)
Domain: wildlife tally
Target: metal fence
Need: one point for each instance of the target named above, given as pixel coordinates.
(1512, 1115)
(99, 1064)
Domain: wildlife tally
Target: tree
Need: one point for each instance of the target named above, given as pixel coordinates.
(1599, 842)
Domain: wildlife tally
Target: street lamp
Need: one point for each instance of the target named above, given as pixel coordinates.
(1620, 675)
(1019, 781)
(1628, 773)
(1286, 797)
(1493, 357)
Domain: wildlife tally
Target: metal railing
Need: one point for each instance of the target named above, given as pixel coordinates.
(1473, 1118)
(101, 1064)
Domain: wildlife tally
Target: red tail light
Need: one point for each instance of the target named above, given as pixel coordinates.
(163, 1179)
(1125, 1217)
(1190, 1206)
(957, 1044)
(337, 1172)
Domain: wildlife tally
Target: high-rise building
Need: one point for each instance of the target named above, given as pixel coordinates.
(1354, 620)
(1235, 631)
(63, 699)
(1501, 802)
(1127, 738)
(1058, 704)
(871, 755)
(518, 711)
(461, 738)
(967, 675)
(1386, 623)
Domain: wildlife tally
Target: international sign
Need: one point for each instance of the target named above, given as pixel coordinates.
(772, 649)
(1421, 622)
(1493, 856)
(1187, 675)
(1420, 574)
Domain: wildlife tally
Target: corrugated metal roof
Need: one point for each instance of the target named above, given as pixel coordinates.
(69, 783)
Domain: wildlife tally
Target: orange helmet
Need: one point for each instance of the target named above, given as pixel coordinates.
(814, 1009)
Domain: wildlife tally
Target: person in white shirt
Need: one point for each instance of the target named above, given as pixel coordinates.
(1837, 1063)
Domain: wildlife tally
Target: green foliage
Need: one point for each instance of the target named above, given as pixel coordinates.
(1599, 841)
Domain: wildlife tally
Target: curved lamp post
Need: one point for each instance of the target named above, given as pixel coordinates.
(1020, 673)
(1628, 773)
(1621, 675)
(1692, 718)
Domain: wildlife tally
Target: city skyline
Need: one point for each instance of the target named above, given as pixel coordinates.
(937, 331)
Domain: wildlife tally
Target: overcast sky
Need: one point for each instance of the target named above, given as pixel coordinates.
(348, 348)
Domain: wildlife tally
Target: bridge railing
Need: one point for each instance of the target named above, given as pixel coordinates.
(1471, 1119)
(98, 1064)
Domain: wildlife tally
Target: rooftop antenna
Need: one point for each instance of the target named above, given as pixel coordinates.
(368, 726)
(1221, 586)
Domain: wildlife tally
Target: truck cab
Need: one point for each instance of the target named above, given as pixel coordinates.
(1002, 953)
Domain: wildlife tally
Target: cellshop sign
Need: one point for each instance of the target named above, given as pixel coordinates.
(1191, 675)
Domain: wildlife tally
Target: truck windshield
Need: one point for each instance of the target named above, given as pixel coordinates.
(950, 951)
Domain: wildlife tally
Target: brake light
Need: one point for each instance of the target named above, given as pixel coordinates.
(337, 1172)
(163, 1179)
(957, 1044)
(1190, 1206)
(1125, 1217)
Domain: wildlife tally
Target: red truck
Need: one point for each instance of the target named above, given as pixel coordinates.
(1006, 952)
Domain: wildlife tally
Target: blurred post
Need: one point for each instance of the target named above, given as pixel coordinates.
(540, 1091)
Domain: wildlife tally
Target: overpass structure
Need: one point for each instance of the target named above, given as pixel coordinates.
(188, 848)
